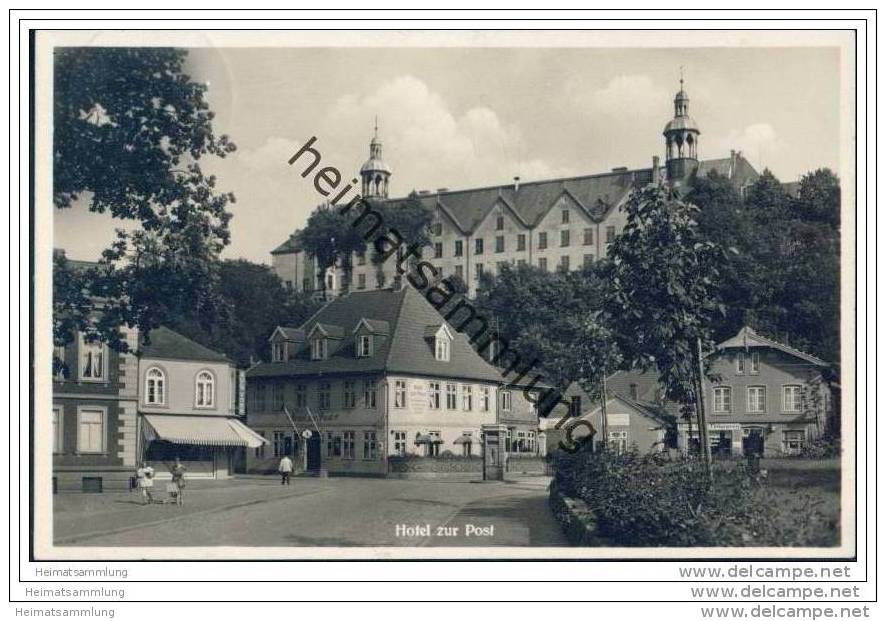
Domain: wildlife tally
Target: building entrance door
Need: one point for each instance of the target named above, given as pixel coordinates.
(314, 458)
(752, 442)
(721, 443)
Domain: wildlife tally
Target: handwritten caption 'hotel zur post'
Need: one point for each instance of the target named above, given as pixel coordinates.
(426, 530)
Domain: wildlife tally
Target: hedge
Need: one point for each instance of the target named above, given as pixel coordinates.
(654, 500)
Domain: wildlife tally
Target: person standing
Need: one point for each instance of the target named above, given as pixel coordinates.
(285, 469)
(178, 479)
(145, 476)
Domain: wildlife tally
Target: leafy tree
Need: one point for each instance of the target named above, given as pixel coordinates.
(783, 279)
(330, 238)
(766, 199)
(545, 316)
(818, 198)
(724, 220)
(662, 300)
(130, 128)
(254, 303)
(407, 220)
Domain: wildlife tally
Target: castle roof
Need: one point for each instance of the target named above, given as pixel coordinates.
(375, 164)
(597, 195)
(680, 123)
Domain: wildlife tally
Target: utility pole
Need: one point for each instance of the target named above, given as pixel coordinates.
(702, 419)
(298, 437)
(604, 424)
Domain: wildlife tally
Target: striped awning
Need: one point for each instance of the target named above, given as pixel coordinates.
(200, 430)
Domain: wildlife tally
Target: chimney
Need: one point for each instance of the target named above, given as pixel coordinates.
(656, 177)
(516, 183)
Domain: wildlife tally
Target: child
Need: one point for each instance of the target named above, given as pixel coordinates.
(145, 476)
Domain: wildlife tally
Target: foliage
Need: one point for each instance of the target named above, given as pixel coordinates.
(651, 500)
(818, 198)
(662, 293)
(254, 303)
(547, 316)
(129, 130)
(784, 278)
(331, 237)
(407, 221)
(409, 218)
(824, 447)
(445, 462)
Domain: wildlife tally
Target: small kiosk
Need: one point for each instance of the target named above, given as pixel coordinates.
(495, 456)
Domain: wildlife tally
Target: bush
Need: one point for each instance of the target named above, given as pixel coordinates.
(441, 463)
(822, 448)
(652, 500)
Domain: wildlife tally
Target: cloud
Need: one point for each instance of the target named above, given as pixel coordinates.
(758, 141)
(271, 154)
(625, 98)
(428, 144)
(627, 110)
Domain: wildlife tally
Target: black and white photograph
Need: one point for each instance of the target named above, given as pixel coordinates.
(445, 295)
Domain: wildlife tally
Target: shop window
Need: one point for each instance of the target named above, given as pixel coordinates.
(400, 443)
(794, 441)
(370, 445)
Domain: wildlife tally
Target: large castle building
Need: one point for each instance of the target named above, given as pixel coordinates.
(552, 224)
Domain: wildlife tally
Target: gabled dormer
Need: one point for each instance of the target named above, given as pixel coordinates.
(285, 343)
(440, 338)
(367, 336)
(324, 339)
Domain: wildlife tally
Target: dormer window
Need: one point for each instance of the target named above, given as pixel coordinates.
(319, 348)
(440, 338)
(367, 333)
(441, 349)
(285, 343)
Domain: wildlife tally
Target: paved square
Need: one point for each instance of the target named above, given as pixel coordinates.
(258, 511)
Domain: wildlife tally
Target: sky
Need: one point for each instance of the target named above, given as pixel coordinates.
(468, 117)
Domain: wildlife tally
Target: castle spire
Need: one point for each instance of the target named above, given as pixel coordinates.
(374, 172)
(681, 137)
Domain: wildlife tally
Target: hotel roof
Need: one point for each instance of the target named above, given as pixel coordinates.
(404, 348)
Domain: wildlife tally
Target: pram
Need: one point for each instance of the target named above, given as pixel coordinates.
(173, 492)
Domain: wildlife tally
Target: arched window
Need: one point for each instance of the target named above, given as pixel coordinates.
(205, 387)
(155, 387)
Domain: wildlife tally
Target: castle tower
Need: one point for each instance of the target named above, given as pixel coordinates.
(374, 172)
(681, 139)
